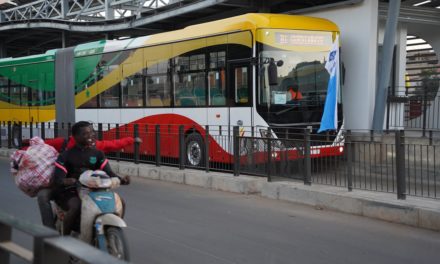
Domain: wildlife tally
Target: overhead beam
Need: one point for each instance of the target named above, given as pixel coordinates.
(238, 3)
(220, 15)
(414, 14)
(92, 18)
(124, 23)
(11, 39)
(176, 12)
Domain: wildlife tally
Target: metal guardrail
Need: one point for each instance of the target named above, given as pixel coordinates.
(414, 111)
(48, 246)
(394, 162)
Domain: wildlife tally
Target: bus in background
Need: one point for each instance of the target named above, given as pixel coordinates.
(262, 71)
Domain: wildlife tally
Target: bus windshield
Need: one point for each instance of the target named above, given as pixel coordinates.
(304, 74)
(297, 93)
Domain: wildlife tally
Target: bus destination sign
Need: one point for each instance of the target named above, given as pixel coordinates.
(295, 39)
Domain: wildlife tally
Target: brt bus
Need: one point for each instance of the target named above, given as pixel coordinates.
(238, 71)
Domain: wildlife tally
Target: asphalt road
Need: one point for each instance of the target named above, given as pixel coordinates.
(172, 223)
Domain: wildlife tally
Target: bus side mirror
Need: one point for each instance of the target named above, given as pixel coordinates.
(273, 73)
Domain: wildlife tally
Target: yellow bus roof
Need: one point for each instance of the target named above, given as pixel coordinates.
(251, 21)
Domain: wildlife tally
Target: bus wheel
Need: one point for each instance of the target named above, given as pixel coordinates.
(194, 150)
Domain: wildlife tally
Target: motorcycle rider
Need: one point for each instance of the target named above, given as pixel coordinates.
(69, 166)
(45, 195)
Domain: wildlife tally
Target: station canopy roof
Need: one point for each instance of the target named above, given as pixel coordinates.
(86, 22)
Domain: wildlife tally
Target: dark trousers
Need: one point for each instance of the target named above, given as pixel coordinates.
(72, 216)
(44, 196)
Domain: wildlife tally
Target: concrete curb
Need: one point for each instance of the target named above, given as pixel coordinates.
(417, 212)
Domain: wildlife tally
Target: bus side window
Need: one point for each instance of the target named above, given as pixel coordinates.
(15, 86)
(158, 86)
(47, 89)
(241, 85)
(217, 78)
(189, 80)
(132, 91)
(4, 87)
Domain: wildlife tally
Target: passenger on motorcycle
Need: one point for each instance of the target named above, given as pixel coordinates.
(45, 195)
(69, 166)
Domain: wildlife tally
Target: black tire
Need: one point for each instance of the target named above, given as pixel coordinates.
(195, 150)
(117, 243)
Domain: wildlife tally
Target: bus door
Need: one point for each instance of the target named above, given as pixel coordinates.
(240, 96)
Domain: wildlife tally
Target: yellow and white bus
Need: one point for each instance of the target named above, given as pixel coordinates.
(264, 71)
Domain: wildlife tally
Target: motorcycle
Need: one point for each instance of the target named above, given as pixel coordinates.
(101, 222)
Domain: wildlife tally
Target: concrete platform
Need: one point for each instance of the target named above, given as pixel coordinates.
(414, 211)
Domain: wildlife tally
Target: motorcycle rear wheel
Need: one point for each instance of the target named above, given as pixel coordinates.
(117, 243)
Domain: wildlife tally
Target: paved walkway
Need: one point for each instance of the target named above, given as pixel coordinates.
(418, 212)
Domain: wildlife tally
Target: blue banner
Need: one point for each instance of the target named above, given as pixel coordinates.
(329, 120)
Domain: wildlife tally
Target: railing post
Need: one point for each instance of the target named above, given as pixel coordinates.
(236, 142)
(181, 148)
(20, 134)
(425, 106)
(136, 144)
(100, 131)
(400, 165)
(388, 109)
(63, 129)
(31, 130)
(207, 148)
(157, 145)
(39, 247)
(307, 158)
(55, 129)
(5, 235)
(252, 147)
(147, 135)
(118, 153)
(269, 158)
(430, 137)
(1, 125)
(349, 157)
(284, 156)
(43, 131)
(9, 135)
(69, 129)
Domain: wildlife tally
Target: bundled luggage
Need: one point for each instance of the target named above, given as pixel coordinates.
(33, 168)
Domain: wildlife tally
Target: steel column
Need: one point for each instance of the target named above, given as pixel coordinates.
(386, 64)
(109, 11)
